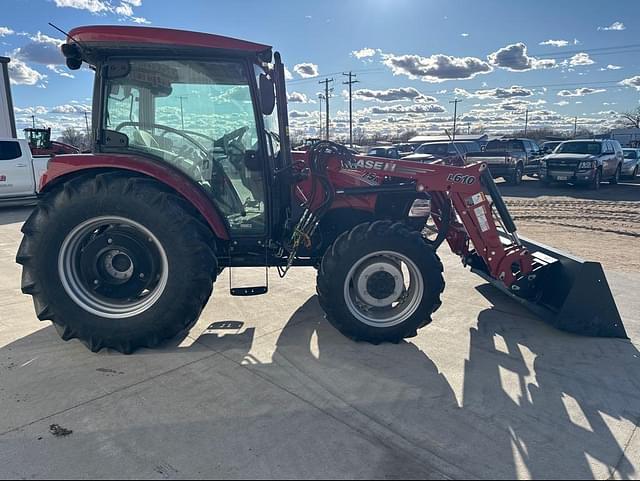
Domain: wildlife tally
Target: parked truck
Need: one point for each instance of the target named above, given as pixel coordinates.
(510, 159)
(20, 172)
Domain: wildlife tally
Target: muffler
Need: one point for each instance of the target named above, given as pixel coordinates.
(569, 293)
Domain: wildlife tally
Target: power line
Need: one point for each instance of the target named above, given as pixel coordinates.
(350, 83)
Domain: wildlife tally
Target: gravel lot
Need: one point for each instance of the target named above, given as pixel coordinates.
(602, 226)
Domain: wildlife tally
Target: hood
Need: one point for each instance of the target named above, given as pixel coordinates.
(572, 157)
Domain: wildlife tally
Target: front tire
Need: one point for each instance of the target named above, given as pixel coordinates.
(117, 262)
(380, 282)
(616, 177)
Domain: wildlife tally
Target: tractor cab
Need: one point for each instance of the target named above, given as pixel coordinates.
(38, 138)
(203, 104)
(40, 143)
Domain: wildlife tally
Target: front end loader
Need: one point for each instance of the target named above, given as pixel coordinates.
(192, 173)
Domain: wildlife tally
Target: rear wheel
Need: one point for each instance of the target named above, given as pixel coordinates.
(380, 282)
(117, 262)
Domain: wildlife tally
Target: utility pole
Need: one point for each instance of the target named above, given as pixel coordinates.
(320, 98)
(575, 128)
(86, 122)
(526, 121)
(455, 116)
(350, 82)
(182, 97)
(326, 99)
(33, 120)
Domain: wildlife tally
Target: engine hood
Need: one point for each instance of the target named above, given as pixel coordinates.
(421, 158)
(571, 157)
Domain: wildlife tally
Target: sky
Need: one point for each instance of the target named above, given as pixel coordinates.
(557, 59)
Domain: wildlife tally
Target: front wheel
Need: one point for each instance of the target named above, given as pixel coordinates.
(116, 262)
(595, 182)
(380, 282)
(516, 177)
(616, 177)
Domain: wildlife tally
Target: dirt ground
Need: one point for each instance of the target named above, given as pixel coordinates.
(602, 225)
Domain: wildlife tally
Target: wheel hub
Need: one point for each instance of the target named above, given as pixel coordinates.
(380, 283)
(118, 265)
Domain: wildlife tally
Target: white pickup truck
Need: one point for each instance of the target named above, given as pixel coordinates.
(19, 172)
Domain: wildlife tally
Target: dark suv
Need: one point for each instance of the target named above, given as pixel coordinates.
(584, 162)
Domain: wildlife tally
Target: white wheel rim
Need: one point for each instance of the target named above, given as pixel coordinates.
(396, 302)
(76, 287)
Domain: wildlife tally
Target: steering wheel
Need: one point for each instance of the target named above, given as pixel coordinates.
(167, 129)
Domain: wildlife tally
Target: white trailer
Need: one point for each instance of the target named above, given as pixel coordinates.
(7, 119)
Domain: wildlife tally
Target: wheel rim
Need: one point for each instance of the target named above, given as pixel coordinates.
(383, 289)
(113, 267)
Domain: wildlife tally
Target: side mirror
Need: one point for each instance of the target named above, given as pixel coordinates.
(267, 94)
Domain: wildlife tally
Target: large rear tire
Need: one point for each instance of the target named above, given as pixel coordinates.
(117, 262)
(380, 282)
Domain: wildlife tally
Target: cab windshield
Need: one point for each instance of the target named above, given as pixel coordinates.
(585, 148)
(199, 117)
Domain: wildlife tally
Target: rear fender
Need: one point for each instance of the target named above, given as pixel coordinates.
(61, 168)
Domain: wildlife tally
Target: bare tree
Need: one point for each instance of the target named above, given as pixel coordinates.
(74, 137)
(631, 118)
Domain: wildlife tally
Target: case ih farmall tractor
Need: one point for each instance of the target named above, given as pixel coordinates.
(192, 173)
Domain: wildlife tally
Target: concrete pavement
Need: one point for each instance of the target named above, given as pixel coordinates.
(486, 391)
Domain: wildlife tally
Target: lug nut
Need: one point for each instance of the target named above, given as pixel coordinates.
(109, 241)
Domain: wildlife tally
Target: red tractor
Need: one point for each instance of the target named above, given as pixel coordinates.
(192, 173)
(41, 144)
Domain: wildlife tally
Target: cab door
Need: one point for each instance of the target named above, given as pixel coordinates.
(16, 176)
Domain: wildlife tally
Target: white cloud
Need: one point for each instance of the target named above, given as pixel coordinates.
(93, 6)
(287, 74)
(38, 110)
(21, 74)
(297, 97)
(60, 71)
(580, 60)
(306, 70)
(616, 26)
(436, 68)
(497, 93)
(393, 95)
(555, 43)
(611, 67)
(514, 58)
(4, 31)
(364, 53)
(581, 92)
(464, 35)
(406, 109)
(632, 82)
(100, 7)
(42, 49)
(73, 108)
(562, 103)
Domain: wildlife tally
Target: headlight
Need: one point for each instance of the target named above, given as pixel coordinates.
(585, 165)
(420, 208)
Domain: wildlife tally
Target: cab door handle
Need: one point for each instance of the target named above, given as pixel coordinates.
(21, 165)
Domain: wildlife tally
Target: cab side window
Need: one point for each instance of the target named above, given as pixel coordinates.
(10, 151)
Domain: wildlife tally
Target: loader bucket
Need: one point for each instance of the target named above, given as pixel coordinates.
(571, 294)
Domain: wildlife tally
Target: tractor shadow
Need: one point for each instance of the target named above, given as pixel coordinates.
(526, 401)
(535, 402)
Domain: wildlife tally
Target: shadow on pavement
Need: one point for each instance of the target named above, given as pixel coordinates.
(540, 404)
(535, 402)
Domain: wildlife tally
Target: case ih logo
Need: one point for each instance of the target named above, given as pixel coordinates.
(3, 178)
(361, 164)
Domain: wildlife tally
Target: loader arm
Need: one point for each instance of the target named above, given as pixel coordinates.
(567, 292)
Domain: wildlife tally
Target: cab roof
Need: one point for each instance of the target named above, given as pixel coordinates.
(114, 37)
